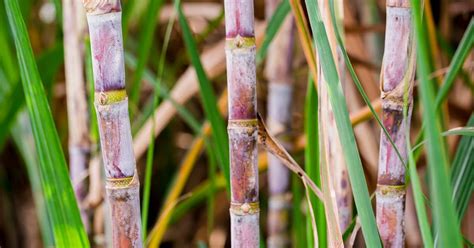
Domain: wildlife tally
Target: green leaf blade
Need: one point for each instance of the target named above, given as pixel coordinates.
(208, 98)
(312, 163)
(445, 219)
(57, 190)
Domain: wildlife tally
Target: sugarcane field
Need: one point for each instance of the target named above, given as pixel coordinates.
(236, 123)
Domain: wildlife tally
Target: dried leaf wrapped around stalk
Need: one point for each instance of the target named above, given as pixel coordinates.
(111, 102)
(332, 164)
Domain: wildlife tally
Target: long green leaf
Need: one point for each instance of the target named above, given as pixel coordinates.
(418, 195)
(341, 115)
(196, 197)
(57, 190)
(464, 131)
(462, 172)
(445, 219)
(207, 96)
(297, 217)
(312, 163)
(456, 63)
(455, 67)
(419, 201)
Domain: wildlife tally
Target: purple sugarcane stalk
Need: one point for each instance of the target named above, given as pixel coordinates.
(78, 143)
(280, 91)
(111, 102)
(242, 127)
(397, 79)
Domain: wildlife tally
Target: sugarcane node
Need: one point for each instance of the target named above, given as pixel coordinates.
(396, 95)
(240, 42)
(246, 126)
(97, 7)
(110, 97)
(122, 182)
(391, 189)
(246, 208)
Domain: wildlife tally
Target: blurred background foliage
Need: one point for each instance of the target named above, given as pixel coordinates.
(187, 189)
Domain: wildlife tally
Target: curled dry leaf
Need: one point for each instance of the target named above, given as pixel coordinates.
(275, 148)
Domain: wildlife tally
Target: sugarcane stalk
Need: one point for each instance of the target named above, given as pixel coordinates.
(242, 126)
(397, 79)
(79, 143)
(111, 102)
(280, 89)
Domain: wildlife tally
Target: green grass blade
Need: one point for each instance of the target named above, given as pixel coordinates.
(8, 61)
(456, 63)
(297, 216)
(145, 41)
(57, 190)
(151, 148)
(196, 197)
(462, 172)
(312, 163)
(419, 199)
(207, 95)
(211, 198)
(444, 216)
(272, 28)
(341, 115)
(464, 131)
(418, 194)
